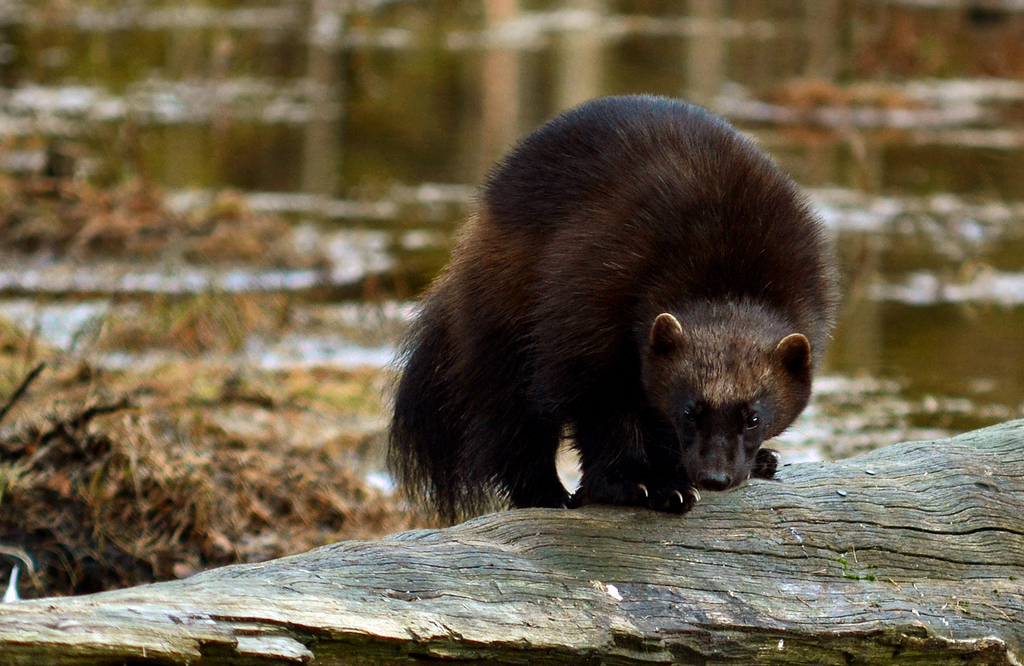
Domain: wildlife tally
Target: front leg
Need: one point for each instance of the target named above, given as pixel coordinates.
(624, 463)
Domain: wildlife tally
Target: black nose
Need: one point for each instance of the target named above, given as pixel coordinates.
(714, 480)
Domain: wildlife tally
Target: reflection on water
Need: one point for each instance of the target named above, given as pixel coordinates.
(367, 125)
(129, 278)
(1004, 289)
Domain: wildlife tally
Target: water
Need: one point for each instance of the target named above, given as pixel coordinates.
(369, 128)
(342, 335)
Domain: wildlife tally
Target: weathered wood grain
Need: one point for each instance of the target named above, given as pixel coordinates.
(912, 554)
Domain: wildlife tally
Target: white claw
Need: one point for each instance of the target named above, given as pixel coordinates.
(695, 493)
(644, 488)
(680, 496)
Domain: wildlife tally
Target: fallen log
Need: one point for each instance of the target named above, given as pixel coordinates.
(911, 554)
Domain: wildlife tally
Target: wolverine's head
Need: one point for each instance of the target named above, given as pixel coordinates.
(727, 378)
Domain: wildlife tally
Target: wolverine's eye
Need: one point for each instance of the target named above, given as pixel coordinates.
(690, 413)
(753, 420)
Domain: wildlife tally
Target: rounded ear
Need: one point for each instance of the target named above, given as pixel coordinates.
(794, 354)
(666, 334)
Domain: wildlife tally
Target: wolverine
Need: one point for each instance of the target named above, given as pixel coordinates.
(637, 276)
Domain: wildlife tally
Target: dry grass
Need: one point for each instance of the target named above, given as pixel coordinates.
(110, 480)
(72, 219)
(195, 324)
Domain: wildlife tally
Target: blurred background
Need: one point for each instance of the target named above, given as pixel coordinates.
(215, 218)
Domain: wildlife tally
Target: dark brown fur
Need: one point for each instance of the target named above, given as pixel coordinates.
(606, 217)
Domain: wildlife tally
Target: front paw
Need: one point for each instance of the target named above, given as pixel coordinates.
(766, 462)
(675, 498)
(671, 497)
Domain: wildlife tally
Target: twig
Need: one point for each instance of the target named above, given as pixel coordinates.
(96, 410)
(995, 608)
(68, 427)
(21, 389)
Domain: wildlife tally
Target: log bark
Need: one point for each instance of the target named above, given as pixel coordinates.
(912, 554)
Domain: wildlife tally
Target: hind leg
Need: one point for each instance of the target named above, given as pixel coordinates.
(530, 473)
(519, 456)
